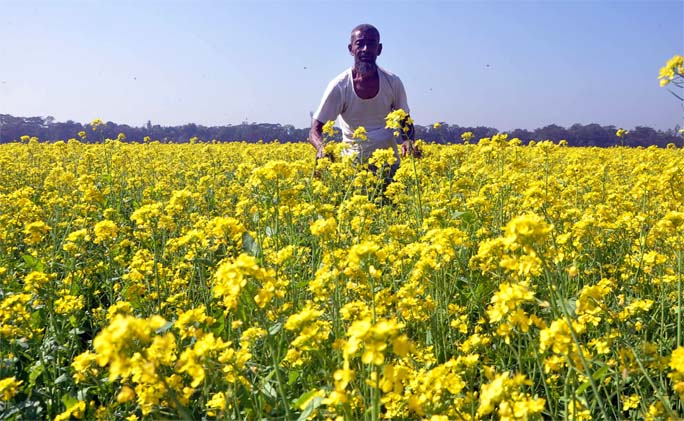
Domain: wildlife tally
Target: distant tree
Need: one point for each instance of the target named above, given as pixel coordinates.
(551, 132)
(643, 136)
(47, 129)
(522, 134)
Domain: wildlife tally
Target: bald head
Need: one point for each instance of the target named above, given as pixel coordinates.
(365, 28)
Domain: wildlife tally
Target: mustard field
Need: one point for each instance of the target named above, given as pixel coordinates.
(490, 280)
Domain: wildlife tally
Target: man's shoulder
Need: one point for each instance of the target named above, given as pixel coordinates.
(389, 74)
(342, 78)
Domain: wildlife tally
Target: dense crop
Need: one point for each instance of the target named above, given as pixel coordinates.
(148, 281)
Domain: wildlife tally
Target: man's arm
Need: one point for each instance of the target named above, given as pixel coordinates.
(316, 137)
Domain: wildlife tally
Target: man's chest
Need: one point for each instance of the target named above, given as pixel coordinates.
(367, 89)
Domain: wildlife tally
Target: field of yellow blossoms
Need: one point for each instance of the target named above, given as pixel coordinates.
(491, 280)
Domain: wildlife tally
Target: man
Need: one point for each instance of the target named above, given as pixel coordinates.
(363, 96)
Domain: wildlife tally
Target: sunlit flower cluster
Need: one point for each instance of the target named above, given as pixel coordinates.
(673, 70)
(488, 280)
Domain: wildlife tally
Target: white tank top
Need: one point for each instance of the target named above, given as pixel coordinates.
(340, 99)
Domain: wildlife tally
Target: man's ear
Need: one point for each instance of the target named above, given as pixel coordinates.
(379, 48)
(349, 47)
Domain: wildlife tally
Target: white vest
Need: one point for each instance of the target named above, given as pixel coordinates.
(340, 99)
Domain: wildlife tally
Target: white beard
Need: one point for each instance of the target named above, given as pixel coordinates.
(365, 69)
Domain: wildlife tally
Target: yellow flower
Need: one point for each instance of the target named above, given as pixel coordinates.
(677, 373)
(467, 136)
(9, 387)
(673, 69)
(105, 231)
(360, 133)
(381, 157)
(84, 364)
(677, 360)
(307, 315)
(35, 232)
(217, 402)
(68, 304)
(96, 123)
(112, 344)
(343, 377)
(329, 129)
(671, 221)
(507, 299)
(504, 392)
(558, 336)
(399, 121)
(125, 395)
(77, 410)
(638, 306)
(36, 281)
(578, 411)
(373, 352)
(324, 227)
(589, 305)
(527, 230)
(190, 322)
(630, 402)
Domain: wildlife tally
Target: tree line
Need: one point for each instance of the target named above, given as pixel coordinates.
(47, 129)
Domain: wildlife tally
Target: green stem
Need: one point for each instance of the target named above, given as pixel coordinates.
(576, 343)
(538, 360)
(679, 290)
(663, 398)
(376, 396)
(276, 368)
(418, 192)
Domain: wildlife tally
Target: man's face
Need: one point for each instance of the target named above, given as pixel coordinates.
(365, 46)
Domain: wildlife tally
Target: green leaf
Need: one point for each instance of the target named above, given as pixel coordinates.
(36, 371)
(597, 376)
(249, 244)
(219, 324)
(313, 403)
(568, 305)
(305, 397)
(467, 217)
(275, 329)
(82, 394)
(204, 261)
(292, 377)
(269, 390)
(33, 263)
(164, 328)
(583, 387)
(69, 400)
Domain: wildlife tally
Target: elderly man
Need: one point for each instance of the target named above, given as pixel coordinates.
(363, 96)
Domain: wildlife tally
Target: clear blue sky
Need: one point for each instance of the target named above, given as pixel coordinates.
(502, 64)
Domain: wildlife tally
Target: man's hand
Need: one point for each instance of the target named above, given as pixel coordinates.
(320, 151)
(316, 138)
(407, 147)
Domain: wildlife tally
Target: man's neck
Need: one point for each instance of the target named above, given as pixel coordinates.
(364, 71)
